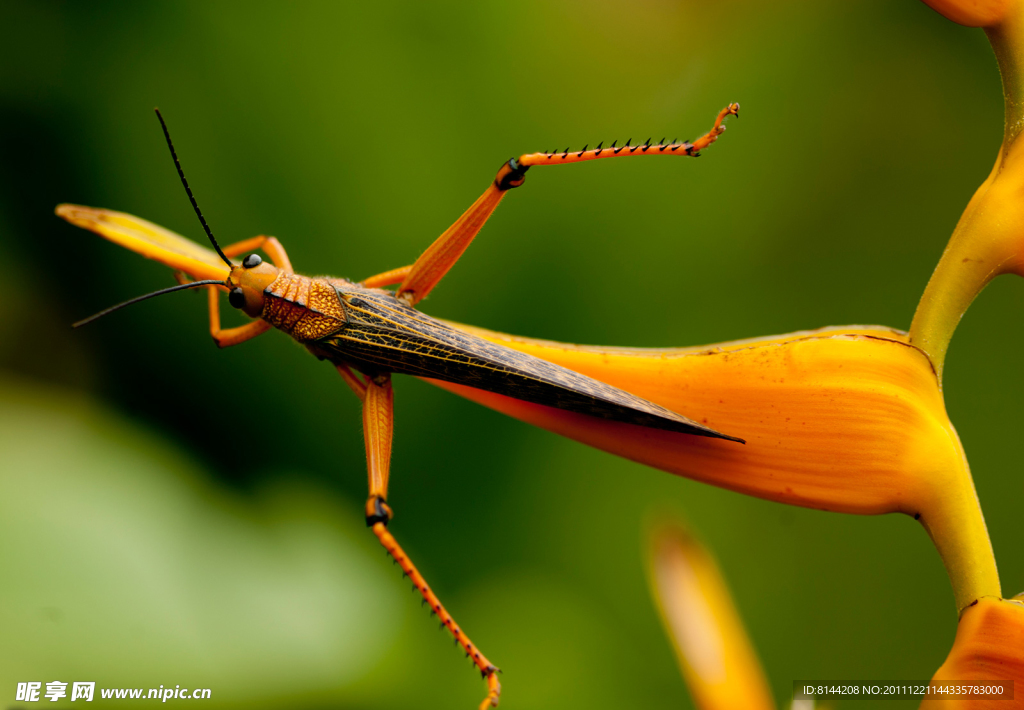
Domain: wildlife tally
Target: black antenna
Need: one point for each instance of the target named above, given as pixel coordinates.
(119, 306)
(188, 190)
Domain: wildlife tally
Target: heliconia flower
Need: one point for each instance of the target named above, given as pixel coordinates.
(843, 419)
(717, 660)
(989, 646)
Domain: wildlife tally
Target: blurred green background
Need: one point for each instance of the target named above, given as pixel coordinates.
(175, 514)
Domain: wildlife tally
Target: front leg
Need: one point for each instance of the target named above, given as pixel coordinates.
(378, 428)
(226, 337)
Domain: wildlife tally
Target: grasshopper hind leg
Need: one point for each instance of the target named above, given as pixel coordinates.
(378, 429)
(417, 280)
(488, 670)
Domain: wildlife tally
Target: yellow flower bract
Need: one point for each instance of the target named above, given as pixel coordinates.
(844, 419)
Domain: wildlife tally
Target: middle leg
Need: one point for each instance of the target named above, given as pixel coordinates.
(378, 429)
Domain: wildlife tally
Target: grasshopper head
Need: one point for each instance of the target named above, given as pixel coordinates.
(246, 284)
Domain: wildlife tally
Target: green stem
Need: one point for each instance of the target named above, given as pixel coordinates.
(956, 525)
(958, 278)
(1007, 39)
(987, 239)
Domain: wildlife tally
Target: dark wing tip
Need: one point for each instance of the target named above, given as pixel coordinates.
(731, 438)
(702, 430)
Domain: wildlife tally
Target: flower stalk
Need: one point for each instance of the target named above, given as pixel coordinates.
(989, 238)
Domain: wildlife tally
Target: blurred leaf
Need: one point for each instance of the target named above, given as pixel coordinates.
(124, 567)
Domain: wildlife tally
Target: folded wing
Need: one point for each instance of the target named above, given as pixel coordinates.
(383, 334)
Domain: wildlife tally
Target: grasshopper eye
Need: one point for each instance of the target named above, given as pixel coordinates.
(251, 261)
(237, 297)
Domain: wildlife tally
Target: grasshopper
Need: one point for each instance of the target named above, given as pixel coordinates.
(368, 332)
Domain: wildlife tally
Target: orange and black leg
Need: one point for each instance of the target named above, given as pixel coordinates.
(689, 148)
(226, 337)
(418, 280)
(378, 428)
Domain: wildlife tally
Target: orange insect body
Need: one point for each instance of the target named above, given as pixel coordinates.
(362, 327)
(307, 309)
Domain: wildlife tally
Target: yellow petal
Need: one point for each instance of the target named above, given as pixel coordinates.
(972, 13)
(150, 240)
(715, 655)
(844, 419)
(989, 646)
